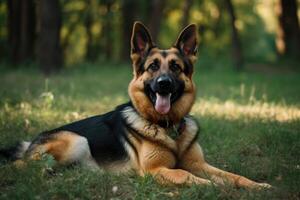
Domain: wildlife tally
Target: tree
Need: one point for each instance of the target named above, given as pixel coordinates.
(128, 12)
(186, 12)
(236, 44)
(155, 17)
(288, 32)
(21, 30)
(108, 30)
(88, 22)
(49, 47)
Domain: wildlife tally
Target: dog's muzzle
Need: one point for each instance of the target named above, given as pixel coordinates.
(164, 84)
(163, 91)
(164, 87)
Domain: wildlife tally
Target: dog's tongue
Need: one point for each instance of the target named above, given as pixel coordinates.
(163, 103)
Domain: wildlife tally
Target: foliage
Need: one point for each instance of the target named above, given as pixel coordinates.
(84, 34)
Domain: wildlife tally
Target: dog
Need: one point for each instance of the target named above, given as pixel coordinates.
(153, 133)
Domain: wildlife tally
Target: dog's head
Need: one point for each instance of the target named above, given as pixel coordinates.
(162, 88)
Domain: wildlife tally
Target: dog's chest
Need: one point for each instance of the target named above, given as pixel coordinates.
(152, 142)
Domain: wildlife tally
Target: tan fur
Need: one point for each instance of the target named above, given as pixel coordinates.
(66, 147)
(159, 155)
(142, 103)
(57, 147)
(60, 147)
(150, 131)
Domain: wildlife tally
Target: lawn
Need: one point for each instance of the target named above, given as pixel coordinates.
(250, 125)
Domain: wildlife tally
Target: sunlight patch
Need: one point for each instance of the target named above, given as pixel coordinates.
(233, 110)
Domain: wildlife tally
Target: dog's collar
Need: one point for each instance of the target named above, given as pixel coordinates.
(174, 130)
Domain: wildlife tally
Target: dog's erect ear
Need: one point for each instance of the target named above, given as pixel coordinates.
(187, 41)
(141, 40)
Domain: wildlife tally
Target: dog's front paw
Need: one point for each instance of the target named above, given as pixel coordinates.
(262, 186)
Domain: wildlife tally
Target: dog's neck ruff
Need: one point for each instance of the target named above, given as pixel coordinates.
(133, 119)
(168, 137)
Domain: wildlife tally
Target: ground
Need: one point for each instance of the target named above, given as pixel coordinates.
(250, 125)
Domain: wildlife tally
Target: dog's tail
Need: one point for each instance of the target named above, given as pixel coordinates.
(15, 152)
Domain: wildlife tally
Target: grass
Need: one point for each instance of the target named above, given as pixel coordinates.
(250, 125)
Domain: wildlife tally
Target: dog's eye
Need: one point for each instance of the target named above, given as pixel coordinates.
(153, 67)
(175, 68)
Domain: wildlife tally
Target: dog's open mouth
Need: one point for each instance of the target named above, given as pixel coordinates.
(162, 98)
(163, 103)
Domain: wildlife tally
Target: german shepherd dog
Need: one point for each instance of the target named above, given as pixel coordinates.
(153, 133)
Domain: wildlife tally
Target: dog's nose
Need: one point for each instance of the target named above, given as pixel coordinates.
(164, 82)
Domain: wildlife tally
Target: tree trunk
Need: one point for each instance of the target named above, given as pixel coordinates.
(21, 30)
(129, 8)
(14, 29)
(49, 47)
(186, 12)
(88, 22)
(288, 32)
(155, 17)
(108, 31)
(236, 44)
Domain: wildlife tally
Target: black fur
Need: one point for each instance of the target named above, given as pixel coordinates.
(188, 66)
(176, 88)
(105, 134)
(11, 153)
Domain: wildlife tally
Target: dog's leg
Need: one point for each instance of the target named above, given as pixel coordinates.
(218, 175)
(159, 162)
(193, 161)
(165, 175)
(66, 148)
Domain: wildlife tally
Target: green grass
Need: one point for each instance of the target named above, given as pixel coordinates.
(250, 125)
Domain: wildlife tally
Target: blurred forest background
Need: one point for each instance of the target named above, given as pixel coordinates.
(52, 34)
(248, 89)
